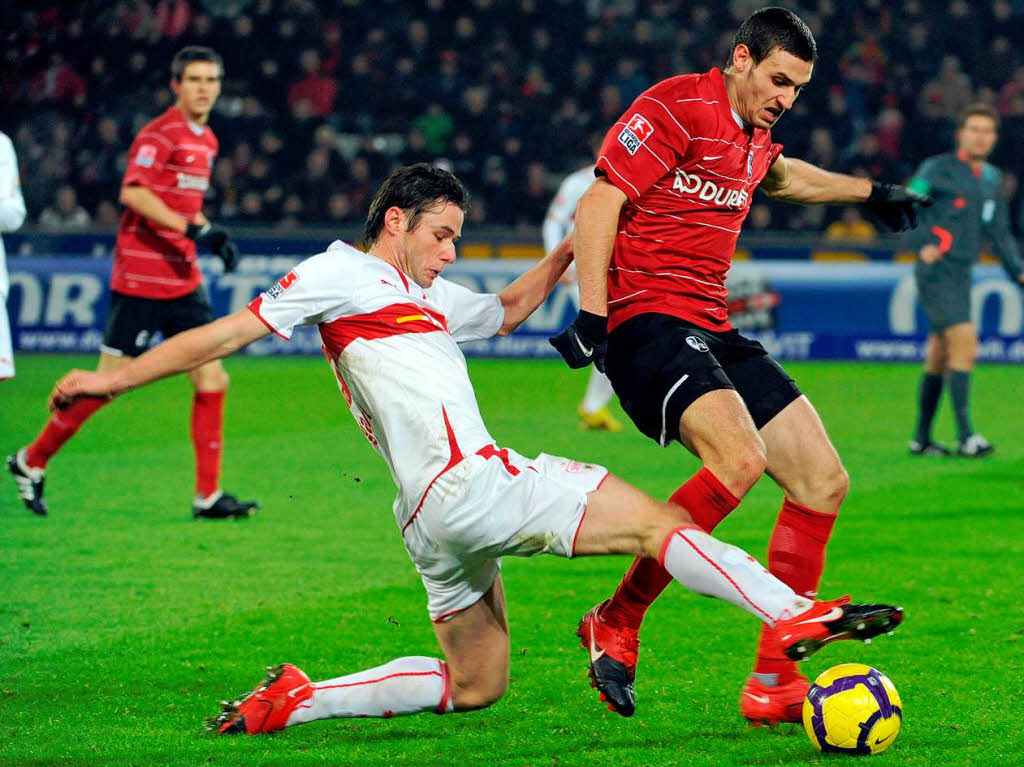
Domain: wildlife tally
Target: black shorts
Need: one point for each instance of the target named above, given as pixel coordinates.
(944, 289)
(659, 365)
(133, 322)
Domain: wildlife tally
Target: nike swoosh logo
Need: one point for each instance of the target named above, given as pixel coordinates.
(832, 615)
(712, 157)
(763, 699)
(586, 352)
(595, 655)
(879, 741)
(293, 693)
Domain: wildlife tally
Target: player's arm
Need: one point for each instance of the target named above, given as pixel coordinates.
(184, 351)
(1003, 242)
(597, 222)
(797, 181)
(528, 291)
(12, 203)
(146, 203)
(801, 182)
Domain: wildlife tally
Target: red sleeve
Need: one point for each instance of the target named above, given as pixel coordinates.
(644, 145)
(147, 156)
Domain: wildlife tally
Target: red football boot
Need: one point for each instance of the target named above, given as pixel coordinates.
(267, 708)
(803, 635)
(613, 653)
(761, 704)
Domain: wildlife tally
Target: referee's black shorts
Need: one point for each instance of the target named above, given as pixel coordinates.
(659, 365)
(133, 322)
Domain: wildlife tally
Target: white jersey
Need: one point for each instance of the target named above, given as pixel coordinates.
(12, 215)
(562, 212)
(392, 345)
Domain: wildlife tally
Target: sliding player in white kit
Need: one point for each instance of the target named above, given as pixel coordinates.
(390, 326)
(558, 223)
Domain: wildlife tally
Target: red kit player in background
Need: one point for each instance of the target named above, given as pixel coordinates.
(655, 236)
(156, 286)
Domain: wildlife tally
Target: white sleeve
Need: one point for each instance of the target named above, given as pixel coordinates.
(12, 204)
(318, 287)
(470, 316)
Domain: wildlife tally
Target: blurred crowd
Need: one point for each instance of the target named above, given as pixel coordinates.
(321, 99)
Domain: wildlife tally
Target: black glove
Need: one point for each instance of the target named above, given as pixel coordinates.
(217, 239)
(584, 341)
(895, 206)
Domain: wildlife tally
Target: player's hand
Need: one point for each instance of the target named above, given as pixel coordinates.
(895, 206)
(584, 341)
(77, 384)
(217, 239)
(929, 254)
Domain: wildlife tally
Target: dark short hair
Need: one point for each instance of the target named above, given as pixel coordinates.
(769, 29)
(415, 189)
(977, 109)
(193, 53)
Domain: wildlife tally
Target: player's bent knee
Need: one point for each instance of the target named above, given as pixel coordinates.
(479, 693)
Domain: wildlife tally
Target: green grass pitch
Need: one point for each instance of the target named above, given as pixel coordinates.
(123, 622)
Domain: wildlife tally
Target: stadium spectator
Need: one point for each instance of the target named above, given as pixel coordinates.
(851, 228)
(64, 214)
(314, 93)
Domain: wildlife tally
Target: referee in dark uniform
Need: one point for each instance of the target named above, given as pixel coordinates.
(969, 208)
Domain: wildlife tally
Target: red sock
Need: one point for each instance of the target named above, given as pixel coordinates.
(709, 502)
(796, 556)
(59, 429)
(207, 439)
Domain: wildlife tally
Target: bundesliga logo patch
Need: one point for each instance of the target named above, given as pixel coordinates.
(145, 156)
(636, 132)
(278, 288)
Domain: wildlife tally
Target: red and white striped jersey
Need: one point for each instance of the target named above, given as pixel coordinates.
(393, 348)
(689, 169)
(172, 158)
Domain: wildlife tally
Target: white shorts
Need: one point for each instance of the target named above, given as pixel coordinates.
(486, 507)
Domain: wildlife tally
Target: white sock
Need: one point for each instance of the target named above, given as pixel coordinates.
(599, 392)
(716, 569)
(398, 688)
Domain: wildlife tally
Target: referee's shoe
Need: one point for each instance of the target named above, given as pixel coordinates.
(221, 505)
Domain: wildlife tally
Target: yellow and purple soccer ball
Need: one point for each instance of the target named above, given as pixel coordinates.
(852, 709)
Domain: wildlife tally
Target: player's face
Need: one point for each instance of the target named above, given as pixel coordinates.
(767, 90)
(198, 89)
(428, 248)
(978, 137)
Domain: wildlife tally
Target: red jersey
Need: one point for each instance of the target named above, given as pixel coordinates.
(689, 170)
(172, 158)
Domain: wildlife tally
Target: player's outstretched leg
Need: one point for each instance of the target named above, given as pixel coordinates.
(474, 640)
(287, 697)
(622, 519)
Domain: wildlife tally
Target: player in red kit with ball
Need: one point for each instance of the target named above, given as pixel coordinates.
(156, 286)
(655, 236)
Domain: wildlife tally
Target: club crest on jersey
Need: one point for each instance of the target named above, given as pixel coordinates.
(279, 287)
(145, 156)
(635, 133)
(696, 343)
